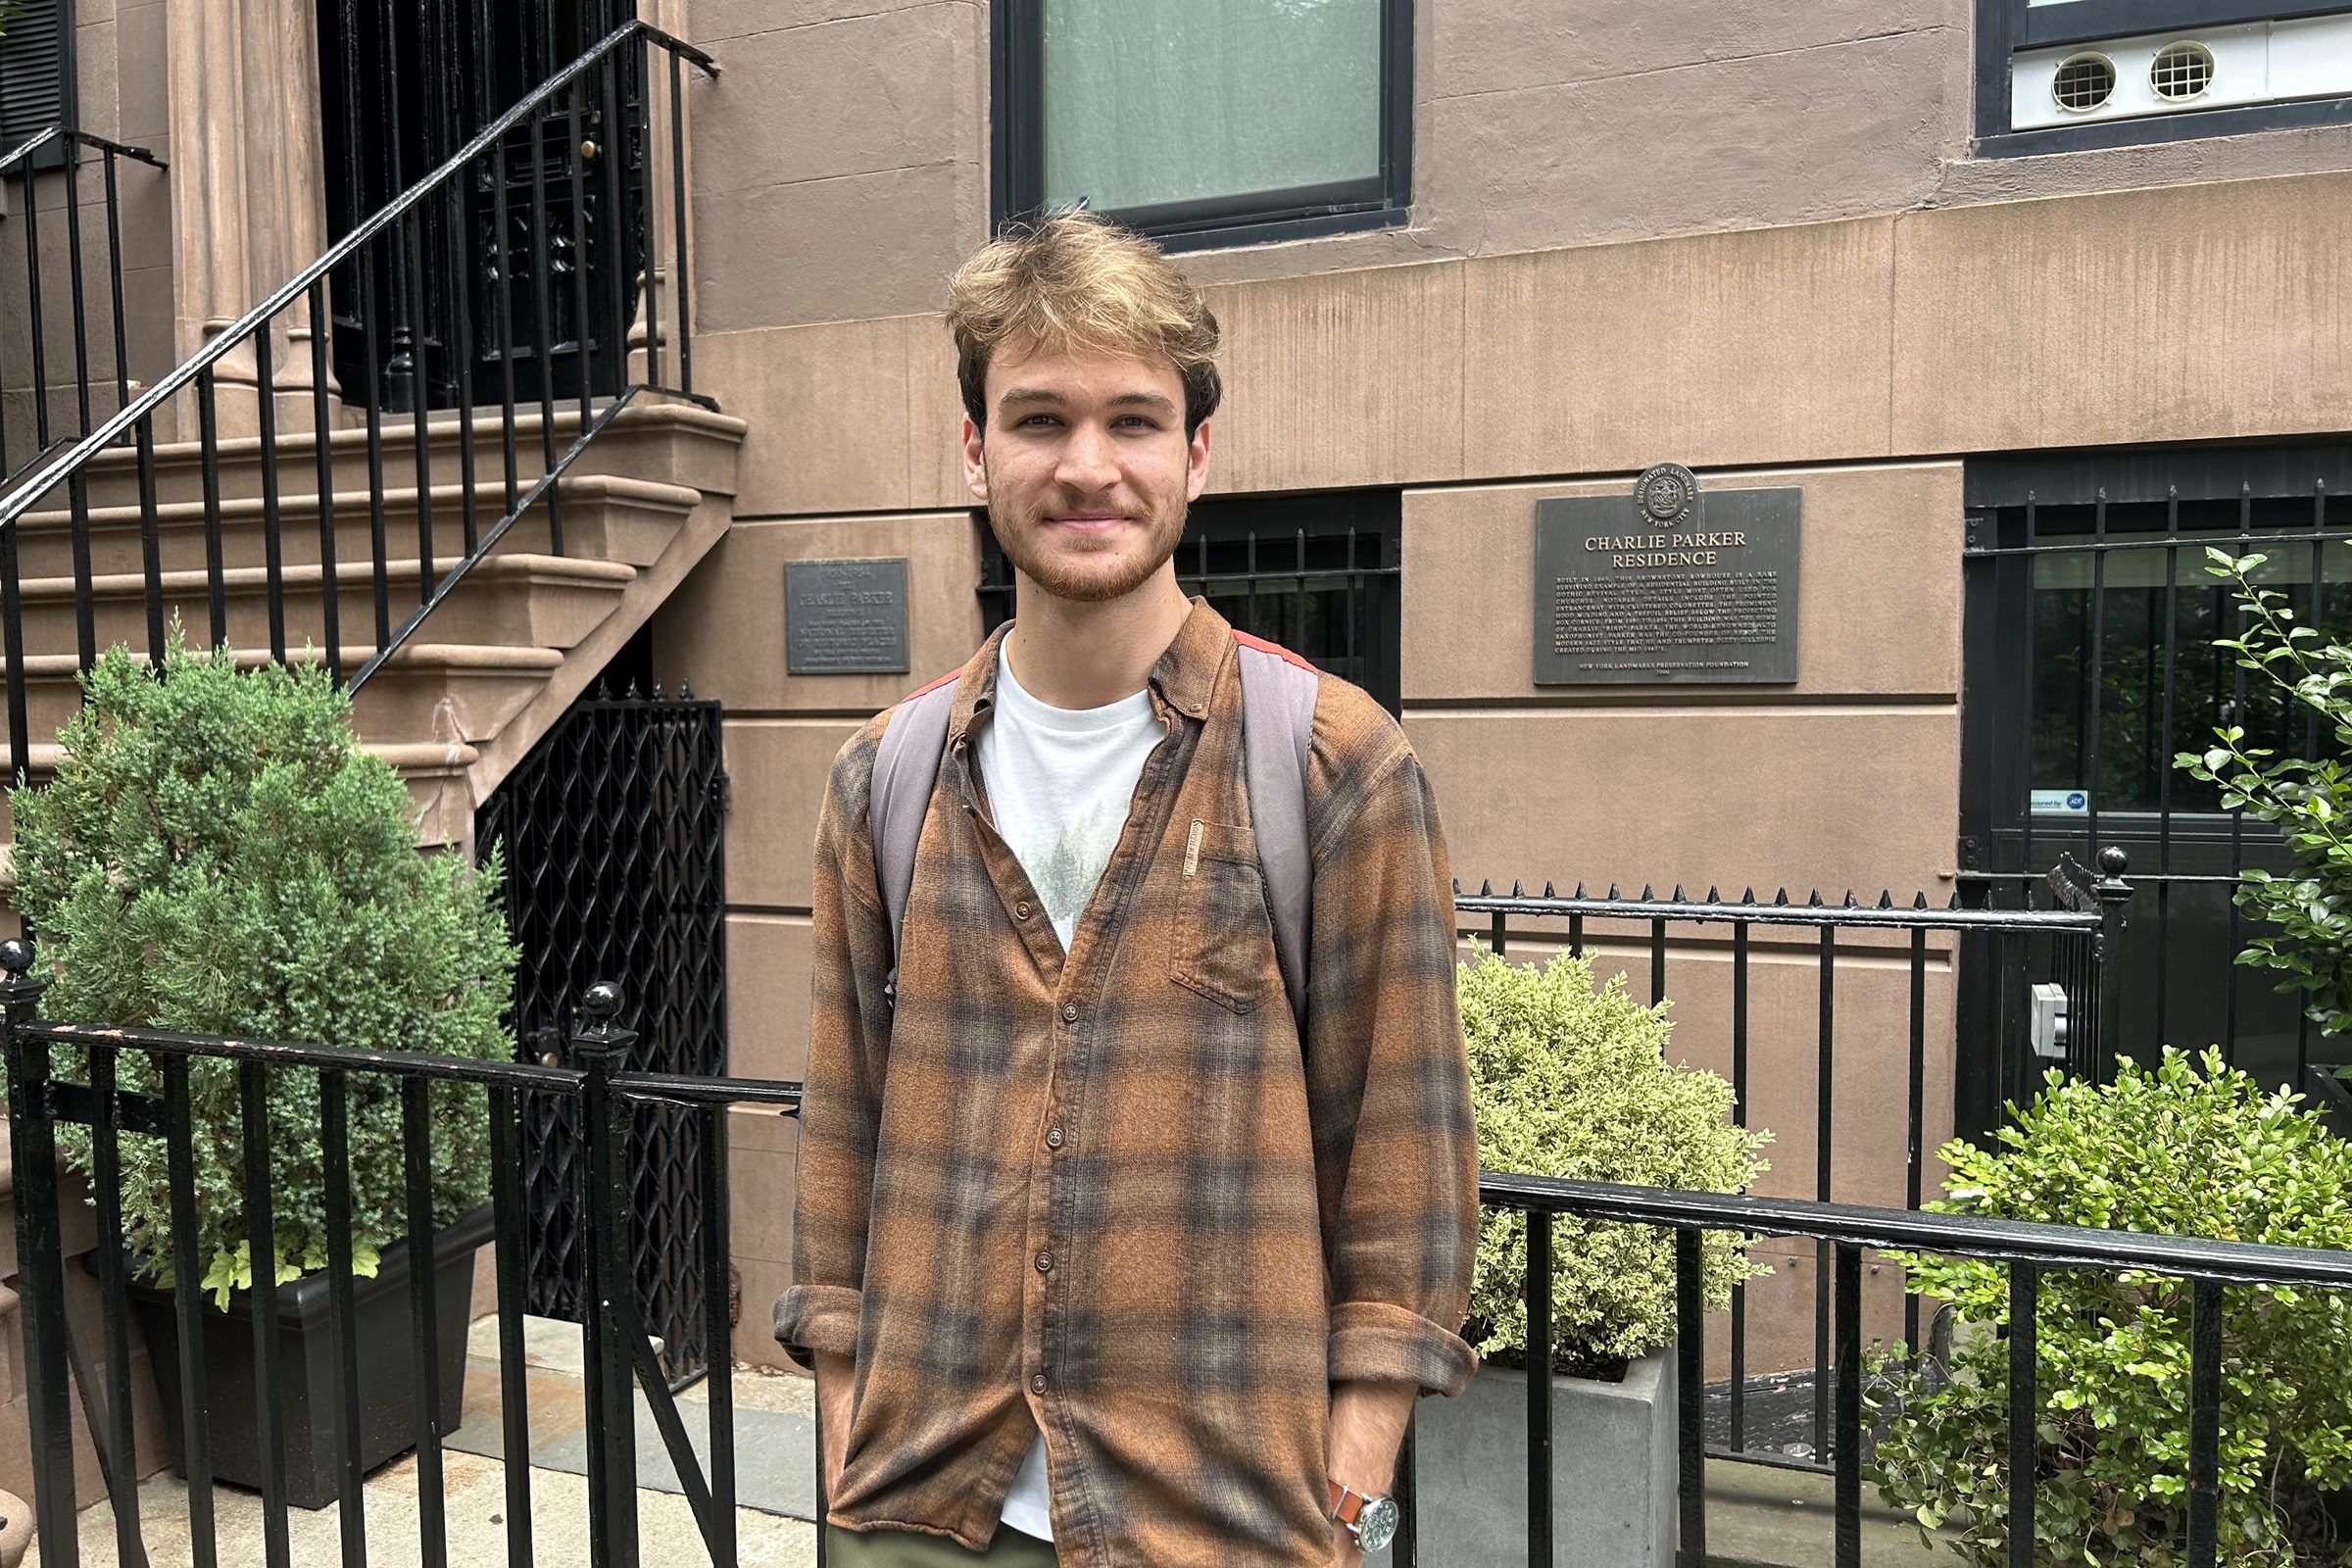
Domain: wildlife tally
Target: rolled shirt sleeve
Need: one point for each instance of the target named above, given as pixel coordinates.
(848, 1042)
(1387, 1078)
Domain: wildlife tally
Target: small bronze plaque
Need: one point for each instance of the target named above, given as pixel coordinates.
(845, 617)
(1667, 585)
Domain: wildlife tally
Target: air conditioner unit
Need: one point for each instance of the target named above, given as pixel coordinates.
(2182, 72)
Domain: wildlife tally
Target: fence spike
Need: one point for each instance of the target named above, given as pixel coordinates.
(1580, 889)
(1678, 894)
(1486, 888)
(1517, 891)
(1781, 897)
(631, 694)
(1954, 904)
(1714, 894)
(1887, 898)
(1849, 898)
(1613, 893)
(1814, 903)
(604, 690)
(657, 697)
(1749, 897)
(1921, 902)
(1547, 892)
(1457, 886)
(685, 691)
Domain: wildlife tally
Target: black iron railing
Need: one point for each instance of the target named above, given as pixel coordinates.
(619, 1357)
(44, 173)
(2066, 945)
(560, 149)
(1847, 1231)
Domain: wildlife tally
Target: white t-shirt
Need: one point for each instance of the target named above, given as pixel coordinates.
(1060, 782)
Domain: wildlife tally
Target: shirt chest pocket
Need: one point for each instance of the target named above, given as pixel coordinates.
(1224, 939)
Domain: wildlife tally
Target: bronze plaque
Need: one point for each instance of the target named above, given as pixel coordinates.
(1668, 585)
(845, 617)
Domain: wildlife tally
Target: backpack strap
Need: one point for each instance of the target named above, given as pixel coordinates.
(906, 765)
(1278, 723)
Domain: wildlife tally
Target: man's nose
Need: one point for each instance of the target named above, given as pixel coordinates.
(1087, 460)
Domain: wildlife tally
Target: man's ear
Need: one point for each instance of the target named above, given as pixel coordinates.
(975, 466)
(1195, 477)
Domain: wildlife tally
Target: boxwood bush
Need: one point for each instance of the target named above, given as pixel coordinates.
(2191, 1147)
(216, 856)
(1572, 1080)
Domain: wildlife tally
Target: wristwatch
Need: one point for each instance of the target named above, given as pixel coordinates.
(1371, 1520)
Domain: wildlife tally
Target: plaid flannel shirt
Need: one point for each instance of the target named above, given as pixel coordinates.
(1111, 1194)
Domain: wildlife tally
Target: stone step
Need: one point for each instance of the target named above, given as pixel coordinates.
(546, 601)
(610, 516)
(445, 694)
(659, 438)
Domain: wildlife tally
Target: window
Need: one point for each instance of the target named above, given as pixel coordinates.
(2054, 75)
(1210, 122)
(1315, 573)
(37, 76)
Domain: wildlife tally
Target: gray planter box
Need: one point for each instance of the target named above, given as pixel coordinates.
(1614, 1471)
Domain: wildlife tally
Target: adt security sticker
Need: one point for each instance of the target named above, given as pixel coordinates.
(2061, 803)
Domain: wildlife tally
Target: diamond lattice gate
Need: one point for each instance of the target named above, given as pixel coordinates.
(613, 833)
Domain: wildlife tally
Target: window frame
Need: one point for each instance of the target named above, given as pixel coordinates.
(1017, 151)
(1370, 521)
(2004, 26)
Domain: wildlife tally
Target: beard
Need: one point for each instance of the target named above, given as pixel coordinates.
(1112, 570)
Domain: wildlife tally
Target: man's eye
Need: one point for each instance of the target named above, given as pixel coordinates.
(1036, 421)
(1139, 421)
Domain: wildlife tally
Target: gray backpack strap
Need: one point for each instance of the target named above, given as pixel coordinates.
(906, 771)
(1278, 725)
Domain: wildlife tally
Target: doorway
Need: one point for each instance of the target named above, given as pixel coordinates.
(526, 265)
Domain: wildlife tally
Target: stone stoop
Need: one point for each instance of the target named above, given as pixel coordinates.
(494, 666)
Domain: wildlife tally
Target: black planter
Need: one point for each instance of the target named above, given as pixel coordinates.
(386, 1340)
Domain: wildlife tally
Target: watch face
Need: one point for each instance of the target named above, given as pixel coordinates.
(1376, 1526)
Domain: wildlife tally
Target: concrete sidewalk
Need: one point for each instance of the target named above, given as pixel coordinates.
(775, 1452)
(1756, 1517)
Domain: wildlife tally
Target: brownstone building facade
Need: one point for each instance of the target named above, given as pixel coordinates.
(1919, 261)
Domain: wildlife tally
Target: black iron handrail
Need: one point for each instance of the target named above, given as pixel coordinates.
(23, 162)
(2076, 942)
(2027, 1247)
(398, 230)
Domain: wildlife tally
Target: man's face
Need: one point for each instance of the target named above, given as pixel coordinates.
(1084, 469)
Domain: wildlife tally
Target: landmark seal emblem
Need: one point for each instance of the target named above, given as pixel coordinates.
(1665, 493)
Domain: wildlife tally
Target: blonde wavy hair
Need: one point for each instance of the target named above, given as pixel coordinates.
(1077, 280)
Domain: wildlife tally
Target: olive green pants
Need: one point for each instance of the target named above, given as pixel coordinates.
(902, 1548)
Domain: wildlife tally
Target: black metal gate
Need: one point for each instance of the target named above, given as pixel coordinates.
(2088, 661)
(613, 836)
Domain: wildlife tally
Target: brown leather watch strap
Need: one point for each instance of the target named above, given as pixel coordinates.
(1346, 1503)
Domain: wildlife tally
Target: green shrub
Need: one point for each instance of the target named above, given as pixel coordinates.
(216, 856)
(2308, 800)
(1573, 1081)
(2189, 1148)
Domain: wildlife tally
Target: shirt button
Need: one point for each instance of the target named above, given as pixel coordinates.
(1020, 912)
(1052, 1138)
(1069, 1012)
(1037, 1384)
(1044, 1262)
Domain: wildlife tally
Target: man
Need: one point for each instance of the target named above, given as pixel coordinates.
(1096, 1244)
